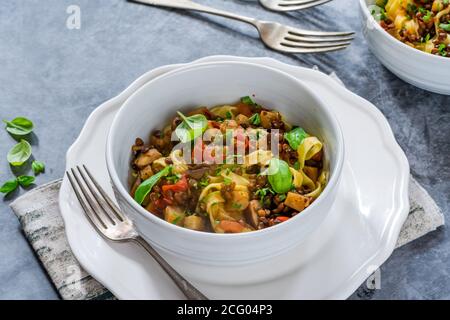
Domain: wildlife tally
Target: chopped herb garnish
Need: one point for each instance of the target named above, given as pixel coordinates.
(445, 26)
(255, 119)
(236, 205)
(441, 49)
(263, 192)
(174, 178)
(427, 17)
(227, 181)
(203, 182)
(176, 220)
(247, 100)
(229, 115)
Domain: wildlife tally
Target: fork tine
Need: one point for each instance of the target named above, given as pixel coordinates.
(292, 49)
(108, 200)
(299, 5)
(85, 204)
(301, 44)
(101, 203)
(291, 37)
(301, 32)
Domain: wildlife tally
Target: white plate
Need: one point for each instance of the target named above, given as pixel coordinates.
(358, 236)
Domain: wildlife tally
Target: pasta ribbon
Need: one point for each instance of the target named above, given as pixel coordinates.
(307, 149)
(298, 177)
(237, 179)
(321, 182)
(179, 164)
(225, 112)
(261, 157)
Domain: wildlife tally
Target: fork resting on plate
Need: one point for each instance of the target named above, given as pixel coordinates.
(113, 225)
(274, 35)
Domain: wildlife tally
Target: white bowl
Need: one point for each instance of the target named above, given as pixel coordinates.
(421, 69)
(210, 84)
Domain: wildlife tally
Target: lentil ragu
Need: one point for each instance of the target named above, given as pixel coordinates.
(422, 24)
(250, 188)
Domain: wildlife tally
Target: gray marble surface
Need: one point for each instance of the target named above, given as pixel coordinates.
(56, 77)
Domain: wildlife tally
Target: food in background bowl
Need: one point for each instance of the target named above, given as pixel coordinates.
(230, 169)
(421, 24)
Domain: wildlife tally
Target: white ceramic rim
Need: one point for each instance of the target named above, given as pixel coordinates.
(332, 183)
(368, 16)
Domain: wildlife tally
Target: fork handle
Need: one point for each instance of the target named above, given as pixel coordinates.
(191, 5)
(185, 286)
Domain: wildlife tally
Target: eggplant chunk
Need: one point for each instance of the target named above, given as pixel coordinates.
(146, 173)
(296, 201)
(242, 120)
(174, 215)
(144, 159)
(136, 184)
(267, 117)
(194, 223)
(251, 213)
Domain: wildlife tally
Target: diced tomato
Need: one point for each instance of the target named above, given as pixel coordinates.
(180, 186)
(197, 152)
(231, 226)
(282, 218)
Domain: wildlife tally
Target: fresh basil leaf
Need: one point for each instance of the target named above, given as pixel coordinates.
(191, 127)
(280, 177)
(19, 154)
(38, 167)
(295, 137)
(445, 26)
(19, 126)
(9, 186)
(145, 187)
(247, 100)
(25, 181)
(255, 119)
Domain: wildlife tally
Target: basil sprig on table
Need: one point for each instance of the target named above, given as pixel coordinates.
(25, 181)
(191, 127)
(19, 126)
(295, 137)
(145, 187)
(11, 185)
(280, 176)
(19, 154)
(38, 167)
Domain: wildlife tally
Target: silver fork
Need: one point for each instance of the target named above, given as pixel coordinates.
(291, 5)
(113, 225)
(275, 35)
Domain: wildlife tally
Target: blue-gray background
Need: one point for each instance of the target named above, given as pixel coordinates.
(56, 77)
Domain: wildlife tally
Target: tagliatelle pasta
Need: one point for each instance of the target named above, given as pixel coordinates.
(236, 168)
(422, 24)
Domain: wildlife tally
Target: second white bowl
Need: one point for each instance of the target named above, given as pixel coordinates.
(421, 69)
